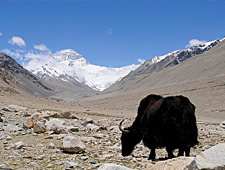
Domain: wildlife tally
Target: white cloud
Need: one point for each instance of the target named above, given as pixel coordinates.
(0, 34)
(141, 60)
(17, 41)
(13, 54)
(195, 42)
(40, 56)
(41, 47)
(109, 30)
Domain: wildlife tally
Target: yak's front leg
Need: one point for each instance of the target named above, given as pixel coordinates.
(152, 154)
(181, 151)
(170, 152)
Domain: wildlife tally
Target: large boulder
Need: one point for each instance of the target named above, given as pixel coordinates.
(212, 158)
(72, 144)
(56, 125)
(110, 166)
(180, 163)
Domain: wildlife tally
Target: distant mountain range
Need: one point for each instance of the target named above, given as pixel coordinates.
(68, 75)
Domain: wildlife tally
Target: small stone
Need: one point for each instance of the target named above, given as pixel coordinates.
(19, 145)
(4, 167)
(84, 158)
(73, 129)
(8, 138)
(92, 126)
(39, 127)
(99, 135)
(69, 165)
(68, 115)
(26, 114)
(35, 117)
(12, 128)
(51, 146)
(111, 166)
(8, 146)
(1, 119)
(28, 123)
(50, 165)
(48, 137)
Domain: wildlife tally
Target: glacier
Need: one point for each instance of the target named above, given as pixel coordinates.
(69, 63)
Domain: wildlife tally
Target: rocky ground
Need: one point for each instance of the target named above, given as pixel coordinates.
(46, 139)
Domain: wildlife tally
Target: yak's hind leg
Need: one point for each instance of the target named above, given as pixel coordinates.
(170, 152)
(187, 151)
(182, 150)
(152, 154)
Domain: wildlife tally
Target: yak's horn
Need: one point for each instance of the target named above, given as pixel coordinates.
(122, 129)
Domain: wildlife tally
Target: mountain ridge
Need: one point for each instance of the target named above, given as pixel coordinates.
(202, 66)
(16, 76)
(161, 62)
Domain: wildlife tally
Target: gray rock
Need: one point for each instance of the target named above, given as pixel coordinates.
(72, 144)
(92, 126)
(68, 115)
(28, 123)
(51, 146)
(8, 146)
(222, 125)
(56, 125)
(35, 117)
(39, 127)
(89, 121)
(70, 165)
(212, 158)
(73, 129)
(8, 138)
(88, 139)
(110, 166)
(19, 145)
(100, 135)
(180, 163)
(12, 128)
(4, 167)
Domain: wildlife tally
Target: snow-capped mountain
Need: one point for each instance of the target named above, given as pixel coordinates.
(186, 53)
(161, 62)
(68, 63)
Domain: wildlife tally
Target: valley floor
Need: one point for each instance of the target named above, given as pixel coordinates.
(207, 95)
(102, 138)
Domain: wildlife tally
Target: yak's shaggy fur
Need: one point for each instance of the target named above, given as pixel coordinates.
(162, 122)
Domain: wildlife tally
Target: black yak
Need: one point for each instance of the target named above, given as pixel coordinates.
(162, 122)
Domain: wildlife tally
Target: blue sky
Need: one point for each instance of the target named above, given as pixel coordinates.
(108, 32)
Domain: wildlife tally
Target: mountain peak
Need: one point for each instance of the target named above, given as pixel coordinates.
(67, 54)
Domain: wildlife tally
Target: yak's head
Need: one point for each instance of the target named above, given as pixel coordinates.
(129, 139)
